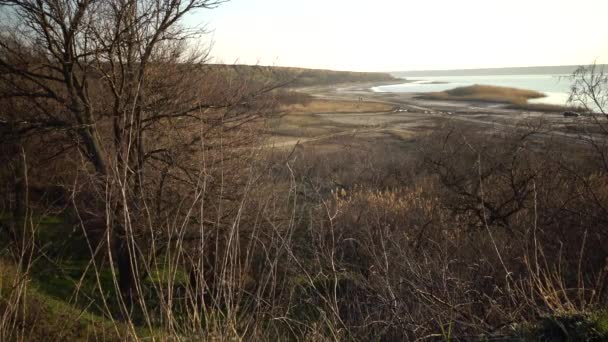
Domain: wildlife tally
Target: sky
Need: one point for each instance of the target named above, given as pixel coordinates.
(393, 35)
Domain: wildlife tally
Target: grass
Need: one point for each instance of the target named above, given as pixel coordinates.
(577, 327)
(300, 119)
(38, 316)
(336, 106)
(373, 243)
(485, 93)
(543, 107)
(373, 227)
(300, 125)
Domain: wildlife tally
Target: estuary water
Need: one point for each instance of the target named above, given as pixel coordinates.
(556, 87)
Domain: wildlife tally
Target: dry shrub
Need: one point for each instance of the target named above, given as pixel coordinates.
(495, 232)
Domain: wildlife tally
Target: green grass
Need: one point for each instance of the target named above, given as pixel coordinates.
(62, 302)
(63, 281)
(572, 327)
(39, 316)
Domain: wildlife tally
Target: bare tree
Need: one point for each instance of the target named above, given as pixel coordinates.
(488, 181)
(590, 89)
(119, 82)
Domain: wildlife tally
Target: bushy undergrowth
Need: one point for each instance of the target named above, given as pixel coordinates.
(577, 327)
(469, 236)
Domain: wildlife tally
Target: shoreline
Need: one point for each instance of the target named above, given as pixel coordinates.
(348, 92)
(553, 94)
(409, 118)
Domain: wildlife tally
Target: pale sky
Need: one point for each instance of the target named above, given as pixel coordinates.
(391, 35)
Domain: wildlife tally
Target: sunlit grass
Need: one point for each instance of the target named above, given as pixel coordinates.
(487, 93)
(336, 106)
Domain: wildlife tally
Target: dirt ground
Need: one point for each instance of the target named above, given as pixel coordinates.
(354, 111)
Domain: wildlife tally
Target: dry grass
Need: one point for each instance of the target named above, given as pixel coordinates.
(367, 243)
(336, 106)
(300, 119)
(543, 107)
(455, 235)
(486, 93)
(302, 125)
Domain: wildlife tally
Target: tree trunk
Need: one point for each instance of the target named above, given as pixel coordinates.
(123, 256)
(125, 262)
(17, 228)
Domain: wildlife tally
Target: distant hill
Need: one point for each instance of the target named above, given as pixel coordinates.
(299, 77)
(312, 77)
(538, 70)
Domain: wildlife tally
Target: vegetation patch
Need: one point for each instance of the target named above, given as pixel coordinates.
(485, 93)
(299, 77)
(336, 106)
(577, 327)
(31, 315)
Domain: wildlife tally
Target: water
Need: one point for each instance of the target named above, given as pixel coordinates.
(556, 87)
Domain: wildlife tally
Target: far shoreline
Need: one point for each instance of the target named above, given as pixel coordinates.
(508, 97)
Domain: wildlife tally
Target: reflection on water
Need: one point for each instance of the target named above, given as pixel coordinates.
(556, 87)
(559, 98)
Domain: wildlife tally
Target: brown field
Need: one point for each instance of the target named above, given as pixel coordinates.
(336, 106)
(485, 93)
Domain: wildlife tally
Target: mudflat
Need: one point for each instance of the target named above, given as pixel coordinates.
(354, 112)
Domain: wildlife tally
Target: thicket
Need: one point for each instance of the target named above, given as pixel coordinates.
(135, 206)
